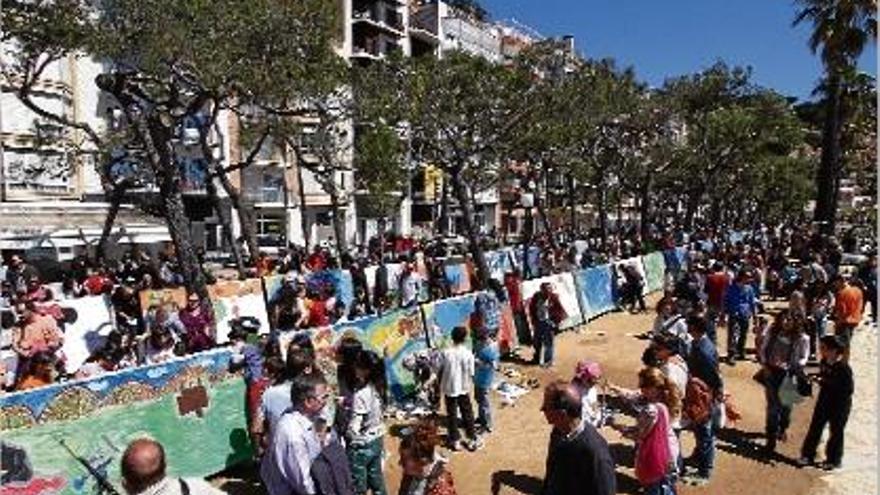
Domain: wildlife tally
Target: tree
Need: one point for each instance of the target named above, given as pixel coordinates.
(169, 62)
(841, 29)
(462, 111)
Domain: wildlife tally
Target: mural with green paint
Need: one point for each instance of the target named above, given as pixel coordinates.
(655, 270)
(182, 404)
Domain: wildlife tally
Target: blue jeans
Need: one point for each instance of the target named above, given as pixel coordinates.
(778, 416)
(712, 317)
(544, 340)
(484, 408)
(704, 450)
(366, 467)
(737, 331)
(666, 486)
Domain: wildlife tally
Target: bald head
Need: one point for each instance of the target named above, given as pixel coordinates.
(562, 397)
(143, 465)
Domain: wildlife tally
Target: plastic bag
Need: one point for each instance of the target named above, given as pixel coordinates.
(789, 395)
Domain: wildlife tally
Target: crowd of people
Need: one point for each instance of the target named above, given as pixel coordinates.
(314, 438)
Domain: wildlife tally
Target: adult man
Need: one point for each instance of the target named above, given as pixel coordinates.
(740, 304)
(848, 305)
(547, 313)
(456, 382)
(296, 442)
(716, 288)
(703, 364)
(143, 473)
(578, 460)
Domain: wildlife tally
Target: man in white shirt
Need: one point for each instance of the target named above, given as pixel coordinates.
(143, 473)
(456, 382)
(296, 441)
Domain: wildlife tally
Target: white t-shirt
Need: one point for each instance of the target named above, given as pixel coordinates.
(366, 422)
(457, 373)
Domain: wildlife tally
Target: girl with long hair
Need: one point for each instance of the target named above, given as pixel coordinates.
(657, 401)
(365, 426)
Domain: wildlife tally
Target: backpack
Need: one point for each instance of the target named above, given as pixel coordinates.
(698, 398)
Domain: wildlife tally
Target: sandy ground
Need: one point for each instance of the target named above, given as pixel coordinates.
(512, 461)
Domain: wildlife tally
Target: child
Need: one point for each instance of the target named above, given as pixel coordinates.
(833, 405)
(365, 425)
(657, 402)
(586, 376)
(486, 356)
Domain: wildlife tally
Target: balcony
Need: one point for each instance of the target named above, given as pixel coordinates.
(386, 20)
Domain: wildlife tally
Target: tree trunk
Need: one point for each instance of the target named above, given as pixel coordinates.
(444, 209)
(830, 166)
(573, 204)
(338, 223)
(115, 203)
(245, 216)
(603, 215)
(645, 214)
(168, 177)
(464, 202)
(226, 224)
(302, 207)
(541, 206)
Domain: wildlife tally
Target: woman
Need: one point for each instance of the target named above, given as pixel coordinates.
(670, 323)
(784, 351)
(424, 471)
(198, 321)
(657, 402)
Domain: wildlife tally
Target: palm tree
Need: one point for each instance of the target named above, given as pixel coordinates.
(841, 31)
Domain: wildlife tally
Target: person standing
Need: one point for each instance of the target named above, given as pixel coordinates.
(833, 405)
(740, 304)
(848, 305)
(785, 351)
(512, 282)
(365, 426)
(547, 313)
(456, 383)
(295, 443)
(717, 283)
(868, 276)
(486, 361)
(578, 459)
(657, 447)
(703, 364)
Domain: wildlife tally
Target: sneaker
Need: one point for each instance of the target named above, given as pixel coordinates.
(804, 462)
(475, 444)
(454, 446)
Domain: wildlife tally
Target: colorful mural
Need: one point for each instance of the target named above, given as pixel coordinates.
(655, 271)
(594, 291)
(181, 403)
(234, 299)
(563, 285)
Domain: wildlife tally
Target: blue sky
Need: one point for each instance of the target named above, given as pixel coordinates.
(663, 38)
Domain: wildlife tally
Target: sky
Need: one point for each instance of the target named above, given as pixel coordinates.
(665, 38)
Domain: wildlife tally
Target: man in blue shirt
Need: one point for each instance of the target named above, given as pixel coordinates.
(740, 304)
